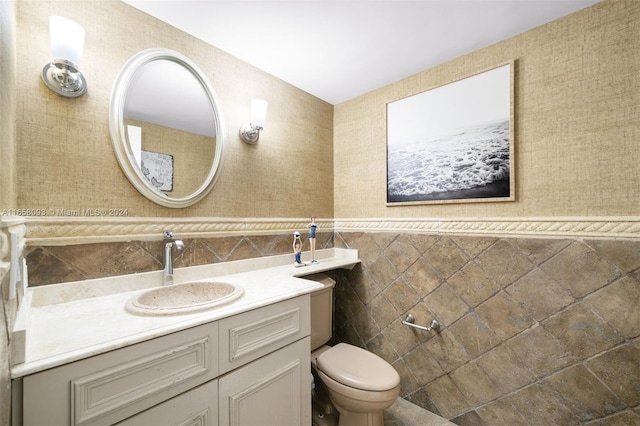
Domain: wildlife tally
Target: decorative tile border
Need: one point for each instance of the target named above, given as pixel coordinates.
(577, 227)
(56, 231)
(63, 231)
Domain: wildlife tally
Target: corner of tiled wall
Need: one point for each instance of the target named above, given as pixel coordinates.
(544, 329)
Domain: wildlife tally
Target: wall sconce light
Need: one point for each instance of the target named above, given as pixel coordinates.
(67, 41)
(250, 131)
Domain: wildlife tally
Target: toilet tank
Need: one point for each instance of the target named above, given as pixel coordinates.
(321, 310)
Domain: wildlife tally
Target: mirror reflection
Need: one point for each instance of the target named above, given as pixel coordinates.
(166, 122)
(170, 127)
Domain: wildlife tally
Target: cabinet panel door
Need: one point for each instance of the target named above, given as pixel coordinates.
(272, 391)
(197, 407)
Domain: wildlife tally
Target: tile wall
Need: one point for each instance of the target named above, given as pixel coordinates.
(534, 331)
(55, 264)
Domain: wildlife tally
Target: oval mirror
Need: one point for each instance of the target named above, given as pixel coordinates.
(166, 127)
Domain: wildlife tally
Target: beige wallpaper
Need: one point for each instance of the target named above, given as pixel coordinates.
(65, 156)
(7, 103)
(576, 98)
(577, 123)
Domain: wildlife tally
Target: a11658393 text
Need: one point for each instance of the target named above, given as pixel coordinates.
(51, 212)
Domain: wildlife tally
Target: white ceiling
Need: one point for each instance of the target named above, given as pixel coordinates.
(337, 50)
(165, 93)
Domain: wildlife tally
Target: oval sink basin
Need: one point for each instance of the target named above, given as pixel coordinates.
(183, 298)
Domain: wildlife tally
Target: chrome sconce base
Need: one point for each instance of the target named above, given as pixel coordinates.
(63, 78)
(250, 133)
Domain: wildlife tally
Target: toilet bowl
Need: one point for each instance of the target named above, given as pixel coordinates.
(359, 384)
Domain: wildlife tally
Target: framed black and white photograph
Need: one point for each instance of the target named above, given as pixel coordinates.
(157, 169)
(453, 143)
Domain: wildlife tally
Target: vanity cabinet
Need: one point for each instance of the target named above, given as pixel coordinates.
(248, 369)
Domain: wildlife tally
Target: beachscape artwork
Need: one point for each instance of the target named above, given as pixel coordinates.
(453, 143)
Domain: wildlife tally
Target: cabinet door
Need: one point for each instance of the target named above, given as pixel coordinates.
(113, 386)
(274, 390)
(197, 407)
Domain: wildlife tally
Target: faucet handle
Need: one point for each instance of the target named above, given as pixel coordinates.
(168, 235)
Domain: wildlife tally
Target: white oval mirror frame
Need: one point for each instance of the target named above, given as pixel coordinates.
(123, 151)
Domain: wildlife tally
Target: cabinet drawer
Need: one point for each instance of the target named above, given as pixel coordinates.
(252, 334)
(198, 407)
(113, 386)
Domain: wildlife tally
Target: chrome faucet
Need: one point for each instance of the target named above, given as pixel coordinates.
(169, 242)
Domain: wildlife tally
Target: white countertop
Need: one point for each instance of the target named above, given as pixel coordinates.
(71, 321)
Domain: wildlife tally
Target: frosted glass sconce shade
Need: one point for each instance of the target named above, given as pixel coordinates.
(67, 39)
(250, 131)
(258, 112)
(62, 74)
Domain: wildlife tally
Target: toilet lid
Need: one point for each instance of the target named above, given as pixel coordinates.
(360, 369)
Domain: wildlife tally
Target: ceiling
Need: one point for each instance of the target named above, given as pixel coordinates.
(337, 50)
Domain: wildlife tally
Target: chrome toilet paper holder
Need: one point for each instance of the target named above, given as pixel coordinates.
(410, 320)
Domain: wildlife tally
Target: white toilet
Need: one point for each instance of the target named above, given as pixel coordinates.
(359, 383)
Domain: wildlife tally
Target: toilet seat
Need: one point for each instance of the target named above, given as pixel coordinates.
(360, 369)
(348, 399)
